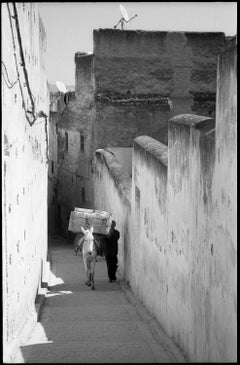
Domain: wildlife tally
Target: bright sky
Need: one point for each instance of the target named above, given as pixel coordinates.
(69, 26)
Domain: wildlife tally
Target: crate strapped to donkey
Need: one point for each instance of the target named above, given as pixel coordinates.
(100, 220)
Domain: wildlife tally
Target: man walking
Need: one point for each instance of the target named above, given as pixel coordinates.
(111, 251)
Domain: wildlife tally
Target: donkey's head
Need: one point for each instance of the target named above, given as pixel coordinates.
(88, 239)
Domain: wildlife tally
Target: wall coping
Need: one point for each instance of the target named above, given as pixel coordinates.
(121, 178)
(200, 122)
(156, 148)
(79, 55)
(154, 32)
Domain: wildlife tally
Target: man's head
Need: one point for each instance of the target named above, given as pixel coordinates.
(113, 224)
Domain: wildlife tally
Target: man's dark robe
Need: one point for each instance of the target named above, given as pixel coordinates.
(111, 251)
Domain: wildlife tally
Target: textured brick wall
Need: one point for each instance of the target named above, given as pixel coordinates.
(24, 176)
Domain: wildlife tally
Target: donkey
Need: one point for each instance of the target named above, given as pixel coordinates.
(78, 242)
(89, 255)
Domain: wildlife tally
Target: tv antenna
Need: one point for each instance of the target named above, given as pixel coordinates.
(61, 87)
(125, 17)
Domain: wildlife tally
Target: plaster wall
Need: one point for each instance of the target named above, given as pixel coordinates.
(24, 173)
(112, 192)
(53, 182)
(75, 156)
(124, 156)
(181, 253)
(148, 247)
(191, 162)
(197, 267)
(74, 171)
(222, 301)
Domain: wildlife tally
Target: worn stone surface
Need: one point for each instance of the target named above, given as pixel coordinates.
(78, 325)
(121, 179)
(154, 147)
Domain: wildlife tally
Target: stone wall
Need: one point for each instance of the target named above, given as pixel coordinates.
(84, 80)
(24, 173)
(182, 249)
(143, 78)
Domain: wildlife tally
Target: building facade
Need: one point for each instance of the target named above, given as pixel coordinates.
(131, 85)
(25, 104)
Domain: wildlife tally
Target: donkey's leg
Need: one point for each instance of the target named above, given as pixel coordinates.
(85, 267)
(88, 282)
(92, 281)
(84, 261)
(92, 275)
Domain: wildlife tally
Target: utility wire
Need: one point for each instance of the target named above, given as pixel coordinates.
(23, 61)
(74, 163)
(16, 63)
(71, 172)
(8, 82)
(60, 167)
(74, 173)
(41, 114)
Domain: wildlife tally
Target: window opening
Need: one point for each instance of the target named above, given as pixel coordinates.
(82, 142)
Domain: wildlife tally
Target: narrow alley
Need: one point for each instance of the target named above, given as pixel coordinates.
(80, 325)
(135, 128)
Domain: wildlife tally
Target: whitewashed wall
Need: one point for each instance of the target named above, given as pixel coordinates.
(180, 256)
(112, 192)
(24, 173)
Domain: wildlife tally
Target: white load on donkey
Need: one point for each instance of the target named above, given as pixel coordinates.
(89, 224)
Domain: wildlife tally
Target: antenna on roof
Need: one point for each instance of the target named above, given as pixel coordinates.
(125, 17)
(61, 87)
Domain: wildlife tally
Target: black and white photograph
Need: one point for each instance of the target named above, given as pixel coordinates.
(119, 182)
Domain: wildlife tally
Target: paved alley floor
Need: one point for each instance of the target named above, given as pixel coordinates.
(77, 324)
